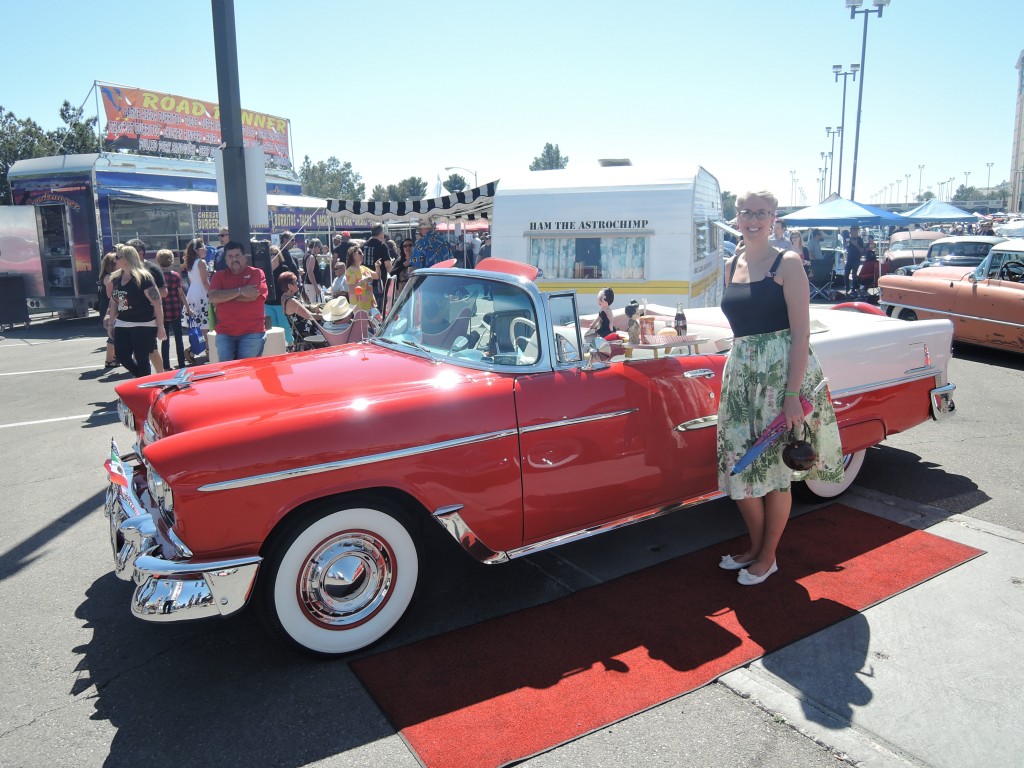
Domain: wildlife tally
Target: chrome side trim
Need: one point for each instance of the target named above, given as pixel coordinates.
(700, 373)
(332, 466)
(452, 521)
(956, 315)
(915, 374)
(579, 420)
(702, 422)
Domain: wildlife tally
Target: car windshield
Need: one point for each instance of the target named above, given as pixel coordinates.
(910, 245)
(464, 318)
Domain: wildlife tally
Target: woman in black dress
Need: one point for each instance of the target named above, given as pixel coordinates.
(136, 312)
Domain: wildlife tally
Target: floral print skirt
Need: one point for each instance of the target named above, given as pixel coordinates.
(753, 388)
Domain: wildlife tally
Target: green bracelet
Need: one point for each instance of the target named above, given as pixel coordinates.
(792, 394)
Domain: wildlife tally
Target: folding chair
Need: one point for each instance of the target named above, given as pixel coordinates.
(821, 277)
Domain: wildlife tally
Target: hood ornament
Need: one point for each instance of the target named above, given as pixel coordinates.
(181, 380)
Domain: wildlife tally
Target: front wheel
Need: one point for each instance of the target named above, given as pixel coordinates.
(814, 491)
(907, 314)
(339, 580)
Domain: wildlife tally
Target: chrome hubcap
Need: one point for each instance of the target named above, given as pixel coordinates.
(347, 579)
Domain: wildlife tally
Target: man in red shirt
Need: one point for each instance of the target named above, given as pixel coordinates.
(239, 292)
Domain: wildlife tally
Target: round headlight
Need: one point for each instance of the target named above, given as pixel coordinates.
(125, 414)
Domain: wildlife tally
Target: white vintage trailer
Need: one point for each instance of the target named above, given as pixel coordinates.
(646, 234)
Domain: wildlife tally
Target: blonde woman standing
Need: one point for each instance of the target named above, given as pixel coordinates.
(136, 312)
(770, 365)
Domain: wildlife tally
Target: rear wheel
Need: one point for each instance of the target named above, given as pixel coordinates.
(907, 314)
(339, 580)
(816, 491)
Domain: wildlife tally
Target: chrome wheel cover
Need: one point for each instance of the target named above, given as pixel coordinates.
(346, 579)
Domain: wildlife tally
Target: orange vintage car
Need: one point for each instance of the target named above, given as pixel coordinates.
(906, 248)
(986, 304)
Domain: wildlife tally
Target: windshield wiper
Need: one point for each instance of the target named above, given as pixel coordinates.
(421, 348)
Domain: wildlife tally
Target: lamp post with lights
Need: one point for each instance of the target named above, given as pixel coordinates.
(837, 71)
(833, 132)
(853, 5)
(460, 168)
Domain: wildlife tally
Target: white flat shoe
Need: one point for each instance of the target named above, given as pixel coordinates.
(728, 564)
(748, 579)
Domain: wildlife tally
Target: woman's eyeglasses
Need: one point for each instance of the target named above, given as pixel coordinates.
(760, 214)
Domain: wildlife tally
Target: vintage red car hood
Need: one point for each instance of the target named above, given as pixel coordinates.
(328, 380)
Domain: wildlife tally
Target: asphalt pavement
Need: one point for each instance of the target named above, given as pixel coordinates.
(928, 678)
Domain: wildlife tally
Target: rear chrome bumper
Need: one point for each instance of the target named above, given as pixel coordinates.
(942, 402)
(172, 585)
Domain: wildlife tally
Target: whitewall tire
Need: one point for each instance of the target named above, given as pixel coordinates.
(815, 490)
(339, 580)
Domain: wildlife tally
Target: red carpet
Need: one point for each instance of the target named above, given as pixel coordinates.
(523, 683)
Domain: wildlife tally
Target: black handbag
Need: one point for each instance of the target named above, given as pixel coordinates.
(798, 454)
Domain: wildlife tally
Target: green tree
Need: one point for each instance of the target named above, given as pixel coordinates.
(963, 192)
(380, 193)
(728, 206)
(454, 183)
(78, 136)
(331, 178)
(550, 159)
(925, 196)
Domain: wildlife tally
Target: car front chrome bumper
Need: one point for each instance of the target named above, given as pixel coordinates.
(172, 585)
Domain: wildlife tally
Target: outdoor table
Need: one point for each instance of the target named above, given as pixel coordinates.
(666, 343)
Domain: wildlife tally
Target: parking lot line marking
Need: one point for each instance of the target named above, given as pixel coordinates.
(80, 417)
(49, 370)
(98, 339)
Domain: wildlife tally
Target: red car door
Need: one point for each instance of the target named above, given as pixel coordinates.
(599, 445)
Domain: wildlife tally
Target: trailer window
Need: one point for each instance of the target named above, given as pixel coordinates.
(596, 258)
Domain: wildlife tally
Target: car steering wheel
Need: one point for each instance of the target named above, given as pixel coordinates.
(527, 339)
(1012, 271)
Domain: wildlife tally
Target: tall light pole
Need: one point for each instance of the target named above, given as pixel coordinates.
(837, 70)
(833, 132)
(792, 187)
(898, 183)
(966, 175)
(853, 5)
(949, 188)
(906, 195)
(920, 173)
(988, 181)
(460, 168)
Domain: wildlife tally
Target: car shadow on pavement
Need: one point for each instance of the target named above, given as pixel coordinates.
(212, 693)
(1012, 361)
(922, 481)
(22, 555)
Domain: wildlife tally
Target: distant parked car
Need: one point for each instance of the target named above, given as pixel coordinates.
(907, 248)
(958, 251)
(984, 304)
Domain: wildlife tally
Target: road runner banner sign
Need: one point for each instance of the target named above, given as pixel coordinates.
(177, 126)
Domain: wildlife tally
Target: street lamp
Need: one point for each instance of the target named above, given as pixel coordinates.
(837, 71)
(460, 168)
(792, 188)
(853, 5)
(966, 174)
(829, 131)
(920, 173)
(898, 183)
(949, 188)
(988, 181)
(906, 195)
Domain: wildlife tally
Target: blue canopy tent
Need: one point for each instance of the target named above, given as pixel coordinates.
(934, 211)
(836, 211)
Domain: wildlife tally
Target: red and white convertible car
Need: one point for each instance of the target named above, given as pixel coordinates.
(301, 483)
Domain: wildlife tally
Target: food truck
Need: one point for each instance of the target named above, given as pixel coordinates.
(83, 204)
(648, 235)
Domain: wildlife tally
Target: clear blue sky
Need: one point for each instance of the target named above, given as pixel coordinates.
(741, 87)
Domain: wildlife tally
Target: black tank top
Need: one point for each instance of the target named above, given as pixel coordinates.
(757, 307)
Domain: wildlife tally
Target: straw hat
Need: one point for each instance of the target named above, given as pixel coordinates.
(337, 309)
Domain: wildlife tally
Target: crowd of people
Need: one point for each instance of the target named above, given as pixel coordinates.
(145, 303)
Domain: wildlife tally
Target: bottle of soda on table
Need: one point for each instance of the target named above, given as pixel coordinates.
(680, 323)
